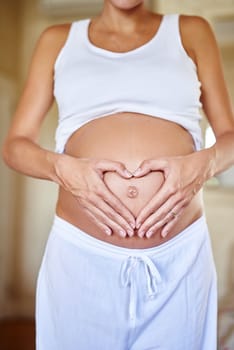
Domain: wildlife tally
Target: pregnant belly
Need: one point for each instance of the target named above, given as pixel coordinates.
(129, 138)
(134, 192)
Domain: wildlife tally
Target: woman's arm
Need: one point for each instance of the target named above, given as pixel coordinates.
(215, 96)
(184, 176)
(21, 151)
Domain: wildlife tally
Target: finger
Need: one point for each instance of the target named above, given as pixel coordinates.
(108, 165)
(100, 224)
(169, 226)
(159, 218)
(154, 204)
(94, 200)
(172, 207)
(113, 215)
(167, 223)
(152, 224)
(118, 206)
(165, 192)
(171, 217)
(173, 202)
(149, 165)
(100, 217)
(145, 214)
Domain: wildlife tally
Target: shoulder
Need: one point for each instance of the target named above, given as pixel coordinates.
(197, 35)
(50, 42)
(194, 23)
(197, 28)
(55, 35)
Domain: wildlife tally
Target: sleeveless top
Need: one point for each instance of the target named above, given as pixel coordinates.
(158, 79)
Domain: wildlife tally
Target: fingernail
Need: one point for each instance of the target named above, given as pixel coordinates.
(108, 231)
(138, 225)
(164, 233)
(149, 234)
(130, 233)
(122, 233)
(132, 225)
(127, 173)
(137, 172)
(141, 233)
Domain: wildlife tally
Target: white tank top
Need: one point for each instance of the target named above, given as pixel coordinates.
(158, 79)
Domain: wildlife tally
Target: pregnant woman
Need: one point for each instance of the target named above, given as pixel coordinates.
(128, 263)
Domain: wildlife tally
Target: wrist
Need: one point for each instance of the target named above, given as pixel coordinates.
(54, 159)
(211, 161)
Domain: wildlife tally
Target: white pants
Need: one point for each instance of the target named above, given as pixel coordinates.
(92, 295)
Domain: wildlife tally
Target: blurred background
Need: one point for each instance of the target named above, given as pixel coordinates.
(27, 205)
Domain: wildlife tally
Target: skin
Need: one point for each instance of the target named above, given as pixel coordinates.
(86, 178)
(117, 137)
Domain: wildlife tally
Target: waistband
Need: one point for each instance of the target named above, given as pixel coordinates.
(76, 236)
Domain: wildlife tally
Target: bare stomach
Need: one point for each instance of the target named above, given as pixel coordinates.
(129, 138)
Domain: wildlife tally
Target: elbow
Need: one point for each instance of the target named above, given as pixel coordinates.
(7, 153)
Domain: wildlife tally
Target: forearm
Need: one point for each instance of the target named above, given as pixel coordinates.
(27, 157)
(223, 152)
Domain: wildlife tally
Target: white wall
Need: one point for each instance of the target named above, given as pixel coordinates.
(219, 207)
(7, 190)
(9, 180)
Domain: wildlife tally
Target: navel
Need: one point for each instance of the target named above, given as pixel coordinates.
(132, 191)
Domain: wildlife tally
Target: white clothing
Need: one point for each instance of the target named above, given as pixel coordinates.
(92, 295)
(158, 79)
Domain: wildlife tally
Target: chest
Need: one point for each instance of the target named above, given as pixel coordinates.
(160, 78)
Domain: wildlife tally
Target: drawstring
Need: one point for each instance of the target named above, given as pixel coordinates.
(152, 274)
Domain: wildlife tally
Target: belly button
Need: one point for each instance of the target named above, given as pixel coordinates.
(132, 192)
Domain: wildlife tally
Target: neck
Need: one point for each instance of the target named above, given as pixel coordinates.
(118, 18)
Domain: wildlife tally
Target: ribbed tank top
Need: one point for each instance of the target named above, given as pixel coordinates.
(158, 79)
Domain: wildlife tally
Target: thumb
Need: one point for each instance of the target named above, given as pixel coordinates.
(108, 165)
(149, 165)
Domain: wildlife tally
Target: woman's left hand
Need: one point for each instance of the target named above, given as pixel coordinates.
(184, 177)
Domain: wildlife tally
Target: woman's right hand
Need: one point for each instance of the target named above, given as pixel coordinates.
(83, 177)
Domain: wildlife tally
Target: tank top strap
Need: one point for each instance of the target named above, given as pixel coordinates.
(171, 38)
(80, 29)
(74, 39)
(170, 28)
